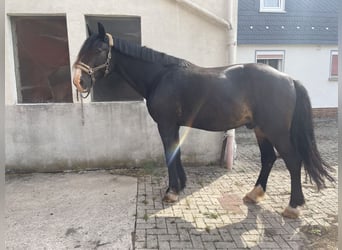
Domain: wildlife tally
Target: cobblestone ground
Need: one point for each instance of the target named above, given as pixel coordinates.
(210, 213)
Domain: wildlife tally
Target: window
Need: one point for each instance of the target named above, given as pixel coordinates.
(333, 65)
(116, 88)
(42, 59)
(272, 5)
(273, 58)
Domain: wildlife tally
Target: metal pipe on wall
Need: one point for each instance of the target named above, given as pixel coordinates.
(230, 151)
(204, 12)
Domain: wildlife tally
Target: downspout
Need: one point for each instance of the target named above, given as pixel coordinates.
(232, 32)
(203, 12)
(230, 146)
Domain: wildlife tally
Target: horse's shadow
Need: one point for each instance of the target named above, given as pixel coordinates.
(259, 228)
(228, 224)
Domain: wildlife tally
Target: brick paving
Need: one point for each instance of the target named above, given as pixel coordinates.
(210, 213)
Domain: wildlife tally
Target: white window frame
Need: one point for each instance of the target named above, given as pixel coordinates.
(271, 54)
(279, 9)
(333, 77)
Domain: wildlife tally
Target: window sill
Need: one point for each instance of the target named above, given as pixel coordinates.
(272, 11)
(333, 79)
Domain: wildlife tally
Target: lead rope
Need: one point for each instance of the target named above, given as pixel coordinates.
(79, 94)
(82, 111)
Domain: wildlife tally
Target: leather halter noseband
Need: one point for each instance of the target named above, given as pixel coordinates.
(91, 71)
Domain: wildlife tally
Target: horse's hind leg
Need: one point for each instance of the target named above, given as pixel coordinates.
(268, 158)
(293, 163)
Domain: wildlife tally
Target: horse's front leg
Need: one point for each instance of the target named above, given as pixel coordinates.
(170, 138)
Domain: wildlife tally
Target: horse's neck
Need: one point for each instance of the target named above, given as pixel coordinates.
(139, 74)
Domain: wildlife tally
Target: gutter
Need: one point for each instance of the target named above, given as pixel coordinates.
(203, 12)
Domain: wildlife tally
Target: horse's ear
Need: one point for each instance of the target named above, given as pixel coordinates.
(89, 30)
(102, 32)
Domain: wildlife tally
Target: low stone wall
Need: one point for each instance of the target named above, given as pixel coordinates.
(57, 137)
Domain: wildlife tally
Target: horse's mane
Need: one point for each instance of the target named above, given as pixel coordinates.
(136, 51)
(147, 54)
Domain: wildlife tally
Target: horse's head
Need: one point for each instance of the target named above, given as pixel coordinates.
(93, 60)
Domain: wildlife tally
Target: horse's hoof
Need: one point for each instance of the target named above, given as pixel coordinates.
(170, 197)
(255, 196)
(290, 212)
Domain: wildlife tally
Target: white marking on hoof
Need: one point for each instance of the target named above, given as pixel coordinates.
(255, 196)
(170, 197)
(290, 212)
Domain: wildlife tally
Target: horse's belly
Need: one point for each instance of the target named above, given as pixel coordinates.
(219, 121)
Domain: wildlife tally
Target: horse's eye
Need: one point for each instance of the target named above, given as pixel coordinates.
(99, 50)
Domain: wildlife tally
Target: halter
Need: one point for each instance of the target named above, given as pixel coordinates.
(91, 71)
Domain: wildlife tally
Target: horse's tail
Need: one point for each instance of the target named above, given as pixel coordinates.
(303, 138)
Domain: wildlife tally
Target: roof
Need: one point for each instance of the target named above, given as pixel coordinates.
(303, 22)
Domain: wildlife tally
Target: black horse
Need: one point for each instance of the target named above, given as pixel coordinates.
(179, 93)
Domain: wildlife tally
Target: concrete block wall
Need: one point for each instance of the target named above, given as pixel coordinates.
(58, 137)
